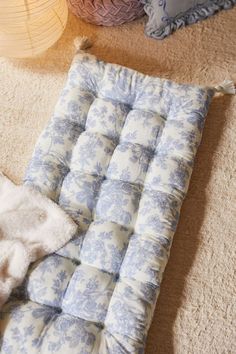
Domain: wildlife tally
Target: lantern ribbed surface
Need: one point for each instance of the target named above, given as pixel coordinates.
(107, 12)
(29, 27)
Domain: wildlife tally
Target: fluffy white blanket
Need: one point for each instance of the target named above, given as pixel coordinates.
(31, 226)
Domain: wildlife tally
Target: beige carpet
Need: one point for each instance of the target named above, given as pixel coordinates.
(196, 307)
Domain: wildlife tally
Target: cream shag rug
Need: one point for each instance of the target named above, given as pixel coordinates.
(196, 308)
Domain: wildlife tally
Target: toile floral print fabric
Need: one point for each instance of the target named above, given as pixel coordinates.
(117, 156)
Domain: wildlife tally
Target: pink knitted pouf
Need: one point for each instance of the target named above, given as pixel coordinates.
(107, 12)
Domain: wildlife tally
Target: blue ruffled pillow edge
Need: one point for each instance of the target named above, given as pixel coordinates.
(193, 15)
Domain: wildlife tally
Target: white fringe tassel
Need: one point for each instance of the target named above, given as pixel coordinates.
(226, 87)
(82, 43)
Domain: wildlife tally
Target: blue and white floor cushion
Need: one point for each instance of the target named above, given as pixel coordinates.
(117, 156)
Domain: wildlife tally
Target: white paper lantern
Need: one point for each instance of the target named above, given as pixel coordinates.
(28, 27)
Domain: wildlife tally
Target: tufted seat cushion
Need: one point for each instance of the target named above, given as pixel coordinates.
(107, 12)
(117, 155)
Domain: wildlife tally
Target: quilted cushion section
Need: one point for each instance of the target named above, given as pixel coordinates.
(117, 155)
